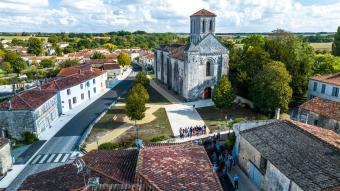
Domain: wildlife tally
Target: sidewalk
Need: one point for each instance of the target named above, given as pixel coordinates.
(49, 133)
(244, 184)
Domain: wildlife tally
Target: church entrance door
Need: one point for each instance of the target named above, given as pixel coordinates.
(207, 93)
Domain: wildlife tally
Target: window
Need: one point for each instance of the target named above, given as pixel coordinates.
(68, 92)
(323, 88)
(203, 26)
(94, 81)
(81, 86)
(263, 164)
(82, 96)
(316, 122)
(74, 100)
(88, 83)
(94, 90)
(335, 92)
(208, 72)
(315, 86)
(211, 25)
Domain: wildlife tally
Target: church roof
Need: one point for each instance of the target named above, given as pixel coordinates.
(204, 13)
(178, 53)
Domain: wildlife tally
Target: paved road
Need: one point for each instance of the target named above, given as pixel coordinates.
(59, 148)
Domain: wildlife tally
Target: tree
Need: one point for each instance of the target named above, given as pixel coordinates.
(68, 63)
(18, 65)
(47, 63)
(326, 64)
(7, 67)
(298, 59)
(336, 43)
(11, 56)
(35, 46)
(124, 59)
(223, 96)
(143, 93)
(253, 41)
(2, 53)
(142, 79)
(110, 47)
(98, 55)
(135, 107)
(270, 88)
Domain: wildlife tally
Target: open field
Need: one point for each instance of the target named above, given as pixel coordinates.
(19, 37)
(322, 46)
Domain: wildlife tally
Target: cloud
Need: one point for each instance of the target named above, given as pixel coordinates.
(165, 15)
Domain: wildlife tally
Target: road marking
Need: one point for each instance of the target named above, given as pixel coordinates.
(42, 160)
(65, 157)
(36, 159)
(58, 157)
(50, 158)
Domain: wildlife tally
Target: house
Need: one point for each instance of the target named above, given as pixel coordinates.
(102, 50)
(321, 112)
(154, 167)
(63, 44)
(192, 70)
(113, 70)
(6, 160)
(325, 86)
(33, 110)
(76, 86)
(288, 155)
(323, 106)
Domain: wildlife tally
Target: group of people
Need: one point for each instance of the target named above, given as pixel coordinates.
(192, 131)
(222, 160)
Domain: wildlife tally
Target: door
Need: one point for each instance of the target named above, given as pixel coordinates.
(69, 104)
(207, 93)
(89, 94)
(254, 174)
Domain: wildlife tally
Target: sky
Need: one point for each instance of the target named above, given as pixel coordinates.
(167, 15)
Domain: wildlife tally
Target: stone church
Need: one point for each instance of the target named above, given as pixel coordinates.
(192, 70)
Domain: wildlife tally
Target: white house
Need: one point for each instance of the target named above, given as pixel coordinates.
(325, 86)
(6, 161)
(79, 86)
(63, 44)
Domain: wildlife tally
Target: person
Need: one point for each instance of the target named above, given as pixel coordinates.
(193, 108)
(236, 180)
(180, 132)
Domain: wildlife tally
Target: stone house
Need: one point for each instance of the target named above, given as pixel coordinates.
(33, 110)
(290, 156)
(6, 160)
(321, 112)
(192, 70)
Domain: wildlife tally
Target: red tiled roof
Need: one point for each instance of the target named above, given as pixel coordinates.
(28, 100)
(177, 167)
(111, 66)
(112, 166)
(68, 71)
(72, 80)
(204, 13)
(325, 135)
(99, 61)
(326, 108)
(178, 53)
(330, 79)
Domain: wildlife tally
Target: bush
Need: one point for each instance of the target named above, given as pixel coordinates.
(158, 139)
(29, 138)
(108, 146)
(238, 120)
(261, 117)
(229, 144)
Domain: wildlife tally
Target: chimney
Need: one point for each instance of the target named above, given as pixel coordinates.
(91, 69)
(277, 113)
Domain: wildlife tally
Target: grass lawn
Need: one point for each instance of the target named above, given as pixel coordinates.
(158, 127)
(322, 46)
(213, 116)
(111, 120)
(155, 97)
(19, 37)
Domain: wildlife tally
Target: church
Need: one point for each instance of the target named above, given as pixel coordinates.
(192, 70)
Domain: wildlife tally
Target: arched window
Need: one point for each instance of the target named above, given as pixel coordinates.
(208, 69)
(203, 27)
(211, 26)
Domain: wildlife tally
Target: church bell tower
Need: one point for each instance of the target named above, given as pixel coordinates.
(201, 23)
